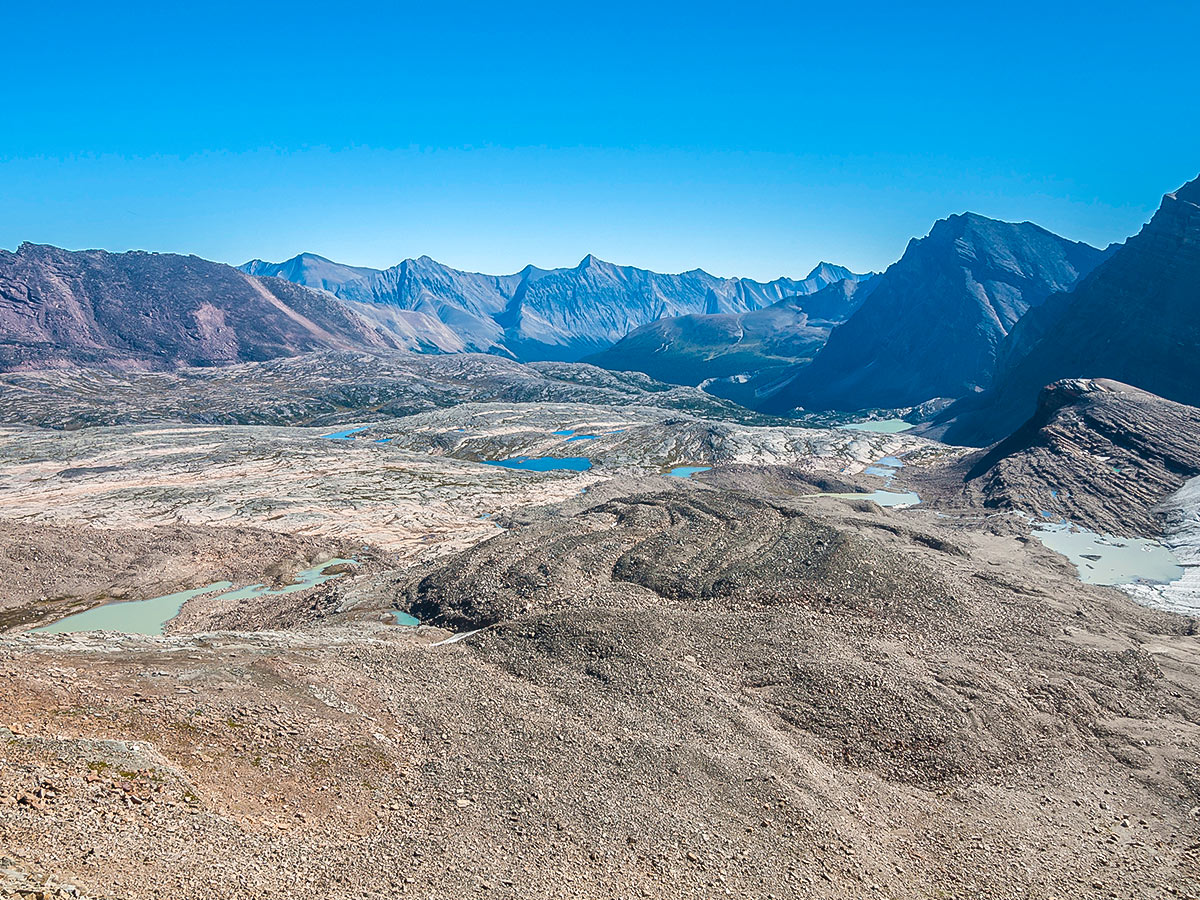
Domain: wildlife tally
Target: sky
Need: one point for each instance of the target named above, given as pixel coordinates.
(750, 139)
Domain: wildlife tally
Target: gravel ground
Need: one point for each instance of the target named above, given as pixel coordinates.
(626, 685)
(689, 692)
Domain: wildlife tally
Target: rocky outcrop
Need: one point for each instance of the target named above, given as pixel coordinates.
(1095, 452)
(1135, 319)
(933, 324)
(675, 547)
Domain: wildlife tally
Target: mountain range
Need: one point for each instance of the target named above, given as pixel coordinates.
(979, 312)
(539, 314)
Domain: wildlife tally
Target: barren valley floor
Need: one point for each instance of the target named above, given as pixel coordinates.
(624, 683)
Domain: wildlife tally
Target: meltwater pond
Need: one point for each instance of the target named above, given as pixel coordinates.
(346, 434)
(132, 616)
(879, 426)
(151, 616)
(543, 463)
(1102, 559)
(305, 578)
(896, 499)
(687, 471)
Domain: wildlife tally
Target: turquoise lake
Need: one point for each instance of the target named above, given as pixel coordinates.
(132, 616)
(543, 463)
(346, 435)
(897, 499)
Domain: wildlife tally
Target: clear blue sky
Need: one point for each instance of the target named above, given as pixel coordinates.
(751, 139)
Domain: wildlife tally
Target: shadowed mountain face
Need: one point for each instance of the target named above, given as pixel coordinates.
(558, 314)
(154, 311)
(691, 349)
(1135, 319)
(932, 325)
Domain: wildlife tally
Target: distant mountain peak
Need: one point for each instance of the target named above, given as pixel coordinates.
(161, 310)
(1133, 319)
(957, 223)
(830, 272)
(302, 258)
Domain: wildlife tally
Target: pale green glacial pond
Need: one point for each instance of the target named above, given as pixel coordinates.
(879, 426)
(1102, 559)
(895, 499)
(151, 616)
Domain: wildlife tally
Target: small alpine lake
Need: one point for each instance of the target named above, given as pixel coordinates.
(131, 616)
(687, 471)
(1103, 559)
(542, 463)
(893, 499)
(346, 434)
(151, 616)
(879, 426)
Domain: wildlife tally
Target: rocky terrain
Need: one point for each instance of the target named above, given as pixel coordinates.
(1096, 452)
(329, 388)
(114, 500)
(860, 703)
(625, 683)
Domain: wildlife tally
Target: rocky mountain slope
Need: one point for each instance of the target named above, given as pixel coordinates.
(1095, 452)
(561, 314)
(932, 326)
(1135, 319)
(691, 349)
(155, 311)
